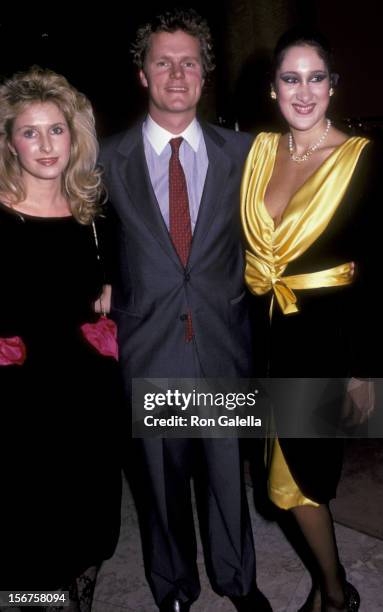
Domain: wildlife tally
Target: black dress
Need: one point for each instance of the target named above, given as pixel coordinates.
(60, 471)
(336, 332)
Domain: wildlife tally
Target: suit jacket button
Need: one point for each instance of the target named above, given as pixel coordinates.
(187, 277)
(183, 317)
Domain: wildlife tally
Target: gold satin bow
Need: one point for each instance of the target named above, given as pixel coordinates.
(282, 286)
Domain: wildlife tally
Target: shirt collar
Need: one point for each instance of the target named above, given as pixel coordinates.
(159, 137)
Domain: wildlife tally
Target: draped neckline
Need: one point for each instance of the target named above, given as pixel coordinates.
(270, 249)
(265, 214)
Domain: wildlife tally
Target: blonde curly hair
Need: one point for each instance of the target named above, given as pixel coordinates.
(81, 180)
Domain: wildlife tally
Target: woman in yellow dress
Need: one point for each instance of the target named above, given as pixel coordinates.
(309, 217)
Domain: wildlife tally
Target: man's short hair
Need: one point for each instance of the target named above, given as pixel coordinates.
(186, 20)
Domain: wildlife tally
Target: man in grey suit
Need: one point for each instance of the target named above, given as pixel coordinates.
(181, 309)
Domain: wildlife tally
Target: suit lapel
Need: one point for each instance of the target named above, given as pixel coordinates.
(219, 170)
(135, 177)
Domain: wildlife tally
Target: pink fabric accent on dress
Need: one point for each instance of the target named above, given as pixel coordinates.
(12, 351)
(102, 335)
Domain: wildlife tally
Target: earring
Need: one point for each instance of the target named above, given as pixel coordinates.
(273, 95)
(331, 91)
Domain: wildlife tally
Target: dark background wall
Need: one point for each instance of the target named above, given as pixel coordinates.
(251, 30)
(93, 53)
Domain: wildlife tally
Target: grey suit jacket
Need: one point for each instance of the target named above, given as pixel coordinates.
(153, 291)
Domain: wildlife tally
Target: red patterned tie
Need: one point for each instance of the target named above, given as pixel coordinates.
(179, 216)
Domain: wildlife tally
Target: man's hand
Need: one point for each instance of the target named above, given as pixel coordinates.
(359, 402)
(103, 303)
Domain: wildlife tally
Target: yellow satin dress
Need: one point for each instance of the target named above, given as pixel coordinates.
(269, 250)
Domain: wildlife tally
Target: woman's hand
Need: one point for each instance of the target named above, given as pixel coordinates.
(103, 303)
(359, 402)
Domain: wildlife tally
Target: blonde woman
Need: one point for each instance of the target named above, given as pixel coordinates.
(60, 478)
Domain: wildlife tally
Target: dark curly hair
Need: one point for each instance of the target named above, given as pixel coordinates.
(186, 20)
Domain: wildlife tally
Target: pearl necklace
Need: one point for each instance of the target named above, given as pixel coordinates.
(301, 158)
